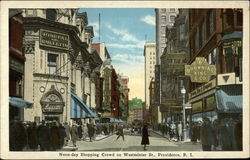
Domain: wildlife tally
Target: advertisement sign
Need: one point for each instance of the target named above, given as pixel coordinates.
(200, 71)
(204, 88)
(54, 39)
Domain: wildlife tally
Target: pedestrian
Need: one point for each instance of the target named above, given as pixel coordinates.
(62, 135)
(74, 134)
(17, 135)
(67, 131)
(54, 133)
(179, 128)
(84, 132)
(44, 136)
(90, 131)
(145, 139)
(120, 132)
(207, 137)
(79, 129)
(32, 136)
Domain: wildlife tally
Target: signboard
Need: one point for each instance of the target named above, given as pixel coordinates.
(200, 71)
(54, 39)
(16, 65)
(206, 87)
(52, 108)
(226, 79)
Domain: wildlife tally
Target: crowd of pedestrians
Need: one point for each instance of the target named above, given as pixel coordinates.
(52, 136)
(224, 134)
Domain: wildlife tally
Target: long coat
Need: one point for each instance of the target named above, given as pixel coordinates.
(145, 139)
(74, 133)
(32, 137)
(55, 137)
(18, 136)
(179, 127)
(207, 136)
(44, 136)
(62, 134)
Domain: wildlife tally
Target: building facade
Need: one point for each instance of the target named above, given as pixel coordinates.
(173, 60)
(216, 35)
(59, 67)
(150, 61)
(165, 18)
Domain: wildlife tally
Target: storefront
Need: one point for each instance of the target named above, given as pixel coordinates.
(216, 102)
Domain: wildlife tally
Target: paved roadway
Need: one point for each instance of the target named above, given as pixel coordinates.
(133, 143)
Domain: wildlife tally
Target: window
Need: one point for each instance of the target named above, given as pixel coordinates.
(229, 17)
(163, 19)
(52, 63)
(196, 41)
(212, 22)
(203, 30)
(229, 59)
(239, 17)
(51, 14)
(240, 63)
(182, 31)
(172, 9)
(171, 18)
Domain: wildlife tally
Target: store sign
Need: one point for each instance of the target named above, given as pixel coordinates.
(53, 108)
(210, 85)
(54, 39)
(200, 71)
(16, 65)
(226, 79)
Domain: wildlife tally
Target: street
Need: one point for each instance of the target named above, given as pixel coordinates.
(133, 143)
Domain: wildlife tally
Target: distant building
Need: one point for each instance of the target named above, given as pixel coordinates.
(150, 61)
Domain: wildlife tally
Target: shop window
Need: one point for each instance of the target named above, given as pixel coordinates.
(52, 63)
(51, 14)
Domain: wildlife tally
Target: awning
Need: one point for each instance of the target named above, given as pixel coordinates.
(229, 99)
(79, 109)
(19, 102)
(234, 35)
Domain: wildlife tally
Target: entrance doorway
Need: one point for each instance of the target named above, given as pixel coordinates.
(50, 118)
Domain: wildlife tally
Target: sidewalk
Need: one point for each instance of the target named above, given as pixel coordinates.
(70, 146)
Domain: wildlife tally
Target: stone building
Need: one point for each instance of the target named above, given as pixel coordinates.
(58, 66)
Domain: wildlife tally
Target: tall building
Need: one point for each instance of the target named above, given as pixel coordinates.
(165, 18)
(150, 61)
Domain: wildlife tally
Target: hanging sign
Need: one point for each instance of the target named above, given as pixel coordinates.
(54, 39)
(200, 71)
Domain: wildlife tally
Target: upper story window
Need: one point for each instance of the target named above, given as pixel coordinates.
(52, 63)
(239, 17)
(51, 14)
(172, 9)
(163, 19)
(171, 18)
(211, 22)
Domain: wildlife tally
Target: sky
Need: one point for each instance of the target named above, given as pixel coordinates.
(124, 31)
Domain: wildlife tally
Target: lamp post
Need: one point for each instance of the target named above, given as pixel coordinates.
(183, 92)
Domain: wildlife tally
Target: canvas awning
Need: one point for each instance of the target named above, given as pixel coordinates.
(79, 109)
(234, 35)
(229, 99)
(19, 102)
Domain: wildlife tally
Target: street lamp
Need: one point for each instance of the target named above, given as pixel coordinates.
(183, 92)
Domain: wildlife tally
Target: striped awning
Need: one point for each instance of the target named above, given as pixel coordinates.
(79, 109)
(229, 99)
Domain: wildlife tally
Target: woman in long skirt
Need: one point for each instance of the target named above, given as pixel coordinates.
(145, 139)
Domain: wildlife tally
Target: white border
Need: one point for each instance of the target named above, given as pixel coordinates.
(5, 5)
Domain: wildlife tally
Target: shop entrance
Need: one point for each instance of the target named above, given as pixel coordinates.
(52, 118)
